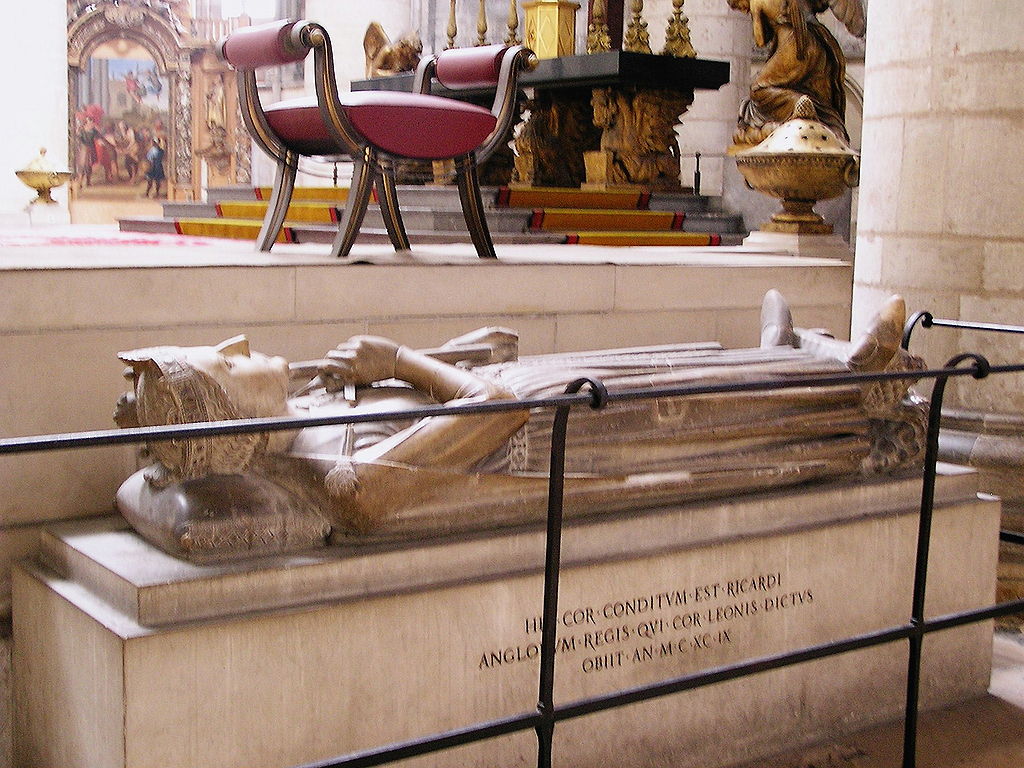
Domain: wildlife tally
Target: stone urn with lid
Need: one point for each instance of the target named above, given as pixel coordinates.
(800, 162)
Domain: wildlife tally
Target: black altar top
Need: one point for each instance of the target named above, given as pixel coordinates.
(610, 68)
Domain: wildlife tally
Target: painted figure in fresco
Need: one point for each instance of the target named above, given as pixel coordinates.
(155, 170)
(106, 154)
(134, 88)
(804, 59)
(153, 84)
(88, 134)
(223, 497)
(127, 144)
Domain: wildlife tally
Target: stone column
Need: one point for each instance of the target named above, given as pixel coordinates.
(942, 205)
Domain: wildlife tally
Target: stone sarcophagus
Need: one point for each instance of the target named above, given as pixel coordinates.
(291, 597)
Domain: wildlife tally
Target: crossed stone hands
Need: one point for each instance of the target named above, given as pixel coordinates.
(361, 360)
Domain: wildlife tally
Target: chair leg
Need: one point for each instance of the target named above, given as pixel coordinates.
(473, 206)
(387, 196)
(280, 199)
(358, 200)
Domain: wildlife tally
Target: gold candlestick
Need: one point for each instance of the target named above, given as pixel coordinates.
(513, 24)
(598, 38)
(677, 34)
(481, 24)
(637, 39)
(452, 26)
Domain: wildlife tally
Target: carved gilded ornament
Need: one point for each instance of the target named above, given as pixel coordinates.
(385, 58)
(637, 38)
(677, 34)
(638, 143)
(598, 37)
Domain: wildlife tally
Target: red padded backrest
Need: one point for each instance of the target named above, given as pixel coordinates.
(264, 46)
(470, 67)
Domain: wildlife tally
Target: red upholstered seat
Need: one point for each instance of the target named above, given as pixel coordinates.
(417, 125)
(403, 124)
(298, 124)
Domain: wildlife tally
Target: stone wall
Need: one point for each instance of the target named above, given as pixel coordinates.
(33, 58)
(942, 183)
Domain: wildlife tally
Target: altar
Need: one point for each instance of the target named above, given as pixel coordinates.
(603, 119)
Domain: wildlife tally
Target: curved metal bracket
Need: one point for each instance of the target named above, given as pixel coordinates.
(925, 318)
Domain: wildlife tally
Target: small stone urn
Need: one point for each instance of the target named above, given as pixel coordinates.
(800, 162)
(41, 176)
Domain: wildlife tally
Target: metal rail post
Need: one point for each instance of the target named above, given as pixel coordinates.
(917, 620)
(552, 565)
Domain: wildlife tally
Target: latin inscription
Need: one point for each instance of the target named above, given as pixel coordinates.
(643, 628)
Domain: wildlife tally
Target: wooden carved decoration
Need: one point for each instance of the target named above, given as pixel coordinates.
(638, 146)
(637, 39)
(512, 37)
(453, 27)
(481, 24)
(549, 144)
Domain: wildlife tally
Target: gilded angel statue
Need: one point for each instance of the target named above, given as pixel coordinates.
(385, 58)
(804, 59)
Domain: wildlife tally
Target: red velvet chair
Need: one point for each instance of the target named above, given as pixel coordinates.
(374, 127)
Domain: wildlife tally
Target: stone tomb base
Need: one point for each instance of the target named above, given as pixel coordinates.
(126, 657)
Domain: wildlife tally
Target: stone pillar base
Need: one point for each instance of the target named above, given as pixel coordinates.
(814, 246)
(48, 215)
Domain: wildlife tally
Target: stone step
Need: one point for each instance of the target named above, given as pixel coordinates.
(242, 192)
(415, 217)
(303, 232)
(498, 219)
(715, 221)
(447, 197)
(434, 214)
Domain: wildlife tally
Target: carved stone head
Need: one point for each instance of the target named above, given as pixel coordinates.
(182, 385)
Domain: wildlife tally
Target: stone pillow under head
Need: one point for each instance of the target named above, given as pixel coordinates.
(191, 520)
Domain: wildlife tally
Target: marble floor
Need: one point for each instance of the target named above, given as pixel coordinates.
(103, 246)
(984, 733)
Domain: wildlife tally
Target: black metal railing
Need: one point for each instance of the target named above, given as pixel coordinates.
(591, 393)
(926, 320)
